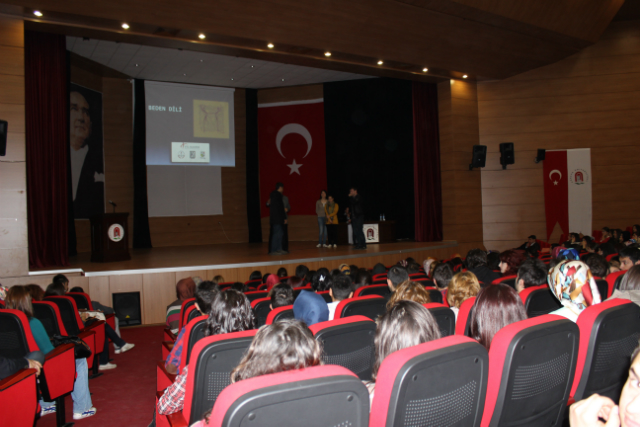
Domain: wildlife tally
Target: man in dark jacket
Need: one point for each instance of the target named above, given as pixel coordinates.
(357, 219)
(531, 245)
(277, 219)
(477, 264)
(33, 360)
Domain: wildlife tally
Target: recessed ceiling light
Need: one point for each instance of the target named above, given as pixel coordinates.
(380, 62)
(231, 78)
(252, 66)
(282, 79)
(202, 60)
(327, 54)
(202, 36)
(125, 26)
(136, 65)
(270, 46)
(464, 76)
(37, 13)
(425, 69)
(184, 74)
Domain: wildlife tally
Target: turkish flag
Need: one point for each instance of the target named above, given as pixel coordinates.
(292, 151)
(556, 191)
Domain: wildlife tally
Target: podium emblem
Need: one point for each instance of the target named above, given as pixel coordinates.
(116, 232)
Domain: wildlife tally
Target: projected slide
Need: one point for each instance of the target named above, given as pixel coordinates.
(189, 125)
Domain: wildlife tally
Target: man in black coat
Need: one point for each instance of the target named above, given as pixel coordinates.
(530, 245)
(277, 219)
(357, 219)
(477, 264)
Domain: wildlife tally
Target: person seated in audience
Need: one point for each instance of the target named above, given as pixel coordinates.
(584, 243)
(184, 290)
(36, 292)
(353, 269)
(409, 291)
(593, 248)
(496, 307)
(426, 265)
(205, 294)
(238, 286)
(597, 264)
(413, 268)
(629, 285)
(395, 276)
(18, 298)
(510, 262)
(264, 278)
(271, 281)
(607, 249)
(363, 278)
(606, 235)
(532, 272)
(344, 269)
(599, 410)
(456, 264)
(573, 285)
(575, 241)
(311, 308)
(379, 268)
(321, 280)
(462, 287)
(405, 324)
(477, 264)
(281, 295)
(282, 272)
(10, 366)
(628, 258)
(293, 282)
(302, 271)
(230, 312)
(341, 288)
(493, 260)
(103, 308)
(568, 254)
(286, 345)
(218, 279)
(442, 276)
(255, 275)
(530, 243)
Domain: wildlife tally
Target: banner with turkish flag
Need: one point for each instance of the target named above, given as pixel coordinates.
(292, 151)
(567, 190)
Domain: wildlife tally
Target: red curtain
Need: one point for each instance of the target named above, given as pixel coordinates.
(46, 116)
(426, 163)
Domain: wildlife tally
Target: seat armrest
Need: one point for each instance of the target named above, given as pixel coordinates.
(167, 346)
(16, 378)
(98, 327)
(177, 420)
(169, 336)
(59, 371)
(164, 379)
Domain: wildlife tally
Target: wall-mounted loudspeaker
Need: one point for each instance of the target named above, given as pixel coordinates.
(507, 156)
(541, 155)
(127, 308)
(3, 137)
(478, 156)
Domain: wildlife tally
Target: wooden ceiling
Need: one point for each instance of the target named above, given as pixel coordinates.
(491, 39)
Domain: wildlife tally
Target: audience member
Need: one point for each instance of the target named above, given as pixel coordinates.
(281, 295)
(238, 286)
(629, 286)
(572, 283)
(55, 290)
(442, 276)
(496, 307)
(409, 291)
(321, 280)
(570, 254)
(378, 269)
(341, 289)
(395, 276)
(264, 278)
(184, 290)
(218, 279)
(10, 366)
(363, 278)
(36, 292)
(255, 275)
(532, 272)
(597, 264)
(628, 258)
(462, 287)
(477, 264)
(413, 268)
(426, 265)
(302, 271)
(310, 308)
(510, 262)
(271, 281)
(593, 247)
(493, 260)
(282, 272)
(530, 243)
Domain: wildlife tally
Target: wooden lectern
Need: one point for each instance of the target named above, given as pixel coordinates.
(109, 237)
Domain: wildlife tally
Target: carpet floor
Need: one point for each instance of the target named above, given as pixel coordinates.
(124, 396)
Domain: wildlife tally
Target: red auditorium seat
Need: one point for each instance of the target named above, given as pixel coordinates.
(83, 301)
(186, 304)
(329, 393)
(59, 368)
(444, 316)
(225, 285)
(382, 290)
(170, 336)
(507, 280)
(441, 382)
(348, 342)
(261, 308)
(190, 313)
(254, 295)
(611, 281)
(380, 276)
(609, 333)
(531, 367)
(213, 360)
(603, 287)
(19, 399)
(608, 257)
(539, 300)
(463, 322)
(280, 313)
(370, 306)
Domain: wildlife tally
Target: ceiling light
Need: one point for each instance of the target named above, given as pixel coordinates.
(136, 65)
(184, 74)
(270, 46)
(380, 62)
(202, 60)
(37, 13)
(464, 76)
(327, 54)
(202, 36)
(125, 26)
(231, 78)
(425, 69)
(252, 66)
(282, 79)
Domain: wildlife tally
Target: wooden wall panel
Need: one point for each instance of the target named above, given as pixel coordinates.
(589, 100)
(159, 291)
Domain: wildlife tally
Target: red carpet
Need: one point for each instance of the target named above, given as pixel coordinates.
(124, 396)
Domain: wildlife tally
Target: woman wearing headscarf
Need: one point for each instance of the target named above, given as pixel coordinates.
(331, 211)
(572, 283)
(185, 289)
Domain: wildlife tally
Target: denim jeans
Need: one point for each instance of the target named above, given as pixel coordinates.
(358, 233)
(276, 240)
(322, 225)
(80, 394)
(109, 334)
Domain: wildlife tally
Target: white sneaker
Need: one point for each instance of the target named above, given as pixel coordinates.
(318, 245)
(50, 410)
(106, 368)
(116, 349)
(335, 246)
(326, 246)
(125, 348)
(88, 413)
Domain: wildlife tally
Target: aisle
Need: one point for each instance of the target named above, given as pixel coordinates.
(123, 396)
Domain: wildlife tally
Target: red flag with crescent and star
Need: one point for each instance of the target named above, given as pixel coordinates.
(292, 151)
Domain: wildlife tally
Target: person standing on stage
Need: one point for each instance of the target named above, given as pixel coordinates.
(285, 227)
(331, 211)
(357, 219)
(277, 218)
(322, 219)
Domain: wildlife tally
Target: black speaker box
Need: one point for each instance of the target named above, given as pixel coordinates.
(127, 308)
(3, 137)
(507, 156)
(542, 153)
(478, 156)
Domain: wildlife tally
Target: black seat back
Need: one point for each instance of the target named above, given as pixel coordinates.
(13, 341)
(196, 334)
(541, 301)
(435, 295)
(47, 316)
(446, 320)
(183, 311)
(255, 295)
(371, 308)
(261, 311)
(383, 291)
(81, 300)
(603, 288)
(67, 314)
(282, 315)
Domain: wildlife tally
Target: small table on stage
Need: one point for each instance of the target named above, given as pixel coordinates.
(109, 237)
(386, 232)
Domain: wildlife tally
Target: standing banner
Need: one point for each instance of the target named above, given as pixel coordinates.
(567, 190)
(292, 151)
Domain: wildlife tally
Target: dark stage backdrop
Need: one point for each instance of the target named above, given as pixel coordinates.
(369, 143)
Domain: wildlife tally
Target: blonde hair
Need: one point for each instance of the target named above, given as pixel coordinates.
(218, 279)
(462, 286)
(409, 291)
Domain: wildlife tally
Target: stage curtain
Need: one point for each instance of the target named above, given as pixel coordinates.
(46, 114)
(141, 233)
(369, 144)
(71, 222)
(426, 163)
(253, 167)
